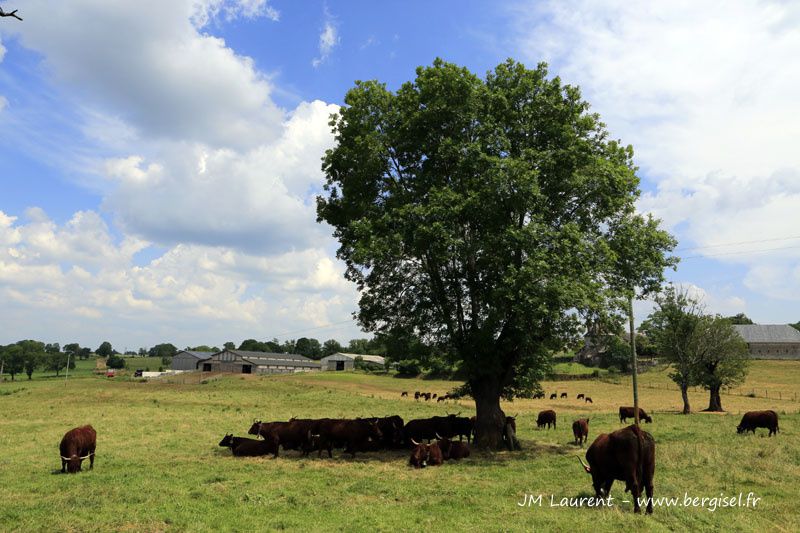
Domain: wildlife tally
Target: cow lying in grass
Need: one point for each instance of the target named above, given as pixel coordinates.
(244, 447)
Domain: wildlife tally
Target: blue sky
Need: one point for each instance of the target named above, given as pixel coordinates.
(159, 160)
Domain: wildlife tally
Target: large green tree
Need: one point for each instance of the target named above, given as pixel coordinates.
(330, 347)
(673, 326)
(308, 347)
(105, 349)
(13, 360)
(33, 354)
(479, 214)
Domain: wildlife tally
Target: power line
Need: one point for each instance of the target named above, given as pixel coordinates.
(309, 329)
(736, 243)
(740, 252)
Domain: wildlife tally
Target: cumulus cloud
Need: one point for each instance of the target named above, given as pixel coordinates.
(328, 40)
(77, 280)
(707, 96)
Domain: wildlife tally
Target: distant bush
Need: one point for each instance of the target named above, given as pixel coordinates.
(115, 361)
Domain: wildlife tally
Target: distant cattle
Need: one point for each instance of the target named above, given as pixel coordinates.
(453, 450)
(424, 455)
(759, 419)
(417, 395)
(427, 396)
(440, 399)
(244, 447)
(629, 455)
(546, 418)
(627, 412)
(76, 445)
(580, 429)
(434, 396)
(579, 396)
(588, 399)
(404, 393)
(563, 394)
(538, 396)
(553, 396)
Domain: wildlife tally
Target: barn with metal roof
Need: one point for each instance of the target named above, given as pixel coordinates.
(770, 341)
(244, 362)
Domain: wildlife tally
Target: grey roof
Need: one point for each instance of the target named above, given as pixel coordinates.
(197, 355)
(284, 359)
(778, 333)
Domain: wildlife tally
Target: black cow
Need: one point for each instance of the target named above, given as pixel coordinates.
(404, 393)
(553, 396)
(759, 419)
(76, 445)
(391, 433)
(627, 412)
(629, 455)
(546, 418)
(417, 395)
(579, 396)
(244, 447)
(588, 399)
(425, 455)
(563, 394)
(538, 396)
(292, 435)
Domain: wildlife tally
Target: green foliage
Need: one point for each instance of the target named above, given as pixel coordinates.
(723, 357)
(115, 361)
(739, 318)
(13, 360)
(308, 347)
(229, 346)
(479, 214)
(796, 326)
(203, 348)
(105, 349)
(252, 345)
(617, 355)
(330, 347)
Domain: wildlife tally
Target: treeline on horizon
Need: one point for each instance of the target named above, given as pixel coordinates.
(411, 354)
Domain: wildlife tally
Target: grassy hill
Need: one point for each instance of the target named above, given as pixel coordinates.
(159, 467)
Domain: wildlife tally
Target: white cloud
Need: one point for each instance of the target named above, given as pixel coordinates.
(707, 97)
(3, 102)
(328, 39)
(75, 280)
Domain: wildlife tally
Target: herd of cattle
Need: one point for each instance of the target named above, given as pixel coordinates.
(428, 396)
(627, 454)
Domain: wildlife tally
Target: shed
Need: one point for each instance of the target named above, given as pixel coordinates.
(346, 361)
(186, 360)
(770, 341)
(244, 362)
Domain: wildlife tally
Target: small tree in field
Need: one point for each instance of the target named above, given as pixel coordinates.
(105, 349)
(723, 358)
(673, 326)
(479, 214)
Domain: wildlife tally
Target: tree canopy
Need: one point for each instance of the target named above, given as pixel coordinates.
(484, 216)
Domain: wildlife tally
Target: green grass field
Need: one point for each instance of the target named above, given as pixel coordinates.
(159, 468)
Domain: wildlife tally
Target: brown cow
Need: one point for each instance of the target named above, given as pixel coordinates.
(627, 412)
(629, 455)
(452, 450)
(546, 418)
(580, 428)
(352, 435)
(292, 435)
(425, 455)
(76, 445)
(759, 419)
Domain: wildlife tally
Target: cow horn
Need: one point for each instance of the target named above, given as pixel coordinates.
(415, 443)
(438, 436)
(587, 468)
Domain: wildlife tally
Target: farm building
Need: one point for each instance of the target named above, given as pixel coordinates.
(347, 361)
(770, 341)
(186, 360)
(242, 362)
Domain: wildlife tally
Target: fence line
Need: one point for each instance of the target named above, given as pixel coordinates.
(754, 392)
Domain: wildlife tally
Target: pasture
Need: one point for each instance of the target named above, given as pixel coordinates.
(159, 468)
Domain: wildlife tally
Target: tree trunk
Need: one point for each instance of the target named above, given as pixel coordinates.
(490, 419)
(685, 396)
(714, 401)
(634, 366)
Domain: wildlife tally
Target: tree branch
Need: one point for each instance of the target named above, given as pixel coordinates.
(12, 14)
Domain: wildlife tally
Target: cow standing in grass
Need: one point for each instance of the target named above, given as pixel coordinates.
(76, 445)
(627, 412)
(629, 455)
(759, 419)
(580, 429)
(546, 418)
